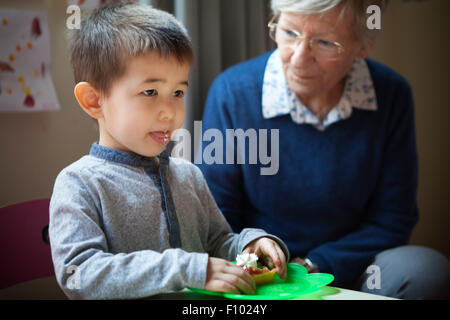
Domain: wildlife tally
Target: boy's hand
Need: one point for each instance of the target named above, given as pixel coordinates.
(224, 276)
(269, 253)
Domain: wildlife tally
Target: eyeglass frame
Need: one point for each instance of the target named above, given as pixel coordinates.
(272, 25)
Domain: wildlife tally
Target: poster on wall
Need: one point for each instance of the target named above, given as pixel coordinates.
(25, 80)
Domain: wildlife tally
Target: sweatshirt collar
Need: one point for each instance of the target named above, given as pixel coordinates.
(123, 157)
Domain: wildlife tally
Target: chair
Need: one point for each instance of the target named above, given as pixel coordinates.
(24, 243)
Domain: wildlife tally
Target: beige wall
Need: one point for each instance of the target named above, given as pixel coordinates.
(415, 43)
(35, 147)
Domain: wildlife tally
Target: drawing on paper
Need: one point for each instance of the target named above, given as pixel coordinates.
(25, 83)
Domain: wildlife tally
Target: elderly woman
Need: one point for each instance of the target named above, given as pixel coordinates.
(344, 197)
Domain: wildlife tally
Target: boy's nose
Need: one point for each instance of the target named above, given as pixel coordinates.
(167, 111)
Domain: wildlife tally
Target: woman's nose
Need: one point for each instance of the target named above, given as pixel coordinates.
(302, 54)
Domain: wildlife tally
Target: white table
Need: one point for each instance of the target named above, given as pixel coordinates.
(326, 293)
(47, 288)
(334, 293)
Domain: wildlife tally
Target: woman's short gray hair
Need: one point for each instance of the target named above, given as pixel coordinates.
(358, 11)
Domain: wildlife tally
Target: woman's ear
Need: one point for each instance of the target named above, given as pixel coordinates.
(88, 98)
(366, 49)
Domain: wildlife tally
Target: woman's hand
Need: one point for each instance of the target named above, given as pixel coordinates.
(311, 269)
(269, 253)
(224, 276)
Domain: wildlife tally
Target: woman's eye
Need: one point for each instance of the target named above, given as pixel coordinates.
(150, 93)
(178, 94)
(289, 33)
(325, 44)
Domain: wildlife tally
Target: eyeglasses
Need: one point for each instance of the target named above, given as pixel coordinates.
(320, 48)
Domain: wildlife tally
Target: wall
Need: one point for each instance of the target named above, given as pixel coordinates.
(35, 147)
(414, 42)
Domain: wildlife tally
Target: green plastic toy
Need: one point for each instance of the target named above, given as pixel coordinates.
(297, 283)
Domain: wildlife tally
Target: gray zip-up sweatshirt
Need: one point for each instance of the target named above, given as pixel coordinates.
(122, 228)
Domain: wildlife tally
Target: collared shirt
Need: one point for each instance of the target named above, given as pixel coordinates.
(279, 100)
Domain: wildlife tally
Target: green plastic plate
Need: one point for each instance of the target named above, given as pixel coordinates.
(297, 283)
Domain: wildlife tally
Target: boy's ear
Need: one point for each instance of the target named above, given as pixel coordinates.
(88, 98)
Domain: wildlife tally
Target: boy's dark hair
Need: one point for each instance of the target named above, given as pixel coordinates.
(112, 34)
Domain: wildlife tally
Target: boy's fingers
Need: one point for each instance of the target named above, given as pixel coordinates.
(282, 256)
(245, 287)
(247, 250)
(238, 284)
(275, 258)
(222, 286)
(225, 276)
(271, 256)
(241, 278)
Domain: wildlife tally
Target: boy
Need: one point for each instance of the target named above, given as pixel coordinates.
(123, 223)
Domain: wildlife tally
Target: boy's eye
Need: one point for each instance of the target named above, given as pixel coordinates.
(178, 94)
(150, 93)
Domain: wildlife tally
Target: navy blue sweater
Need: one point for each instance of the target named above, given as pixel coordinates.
(341, 195)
